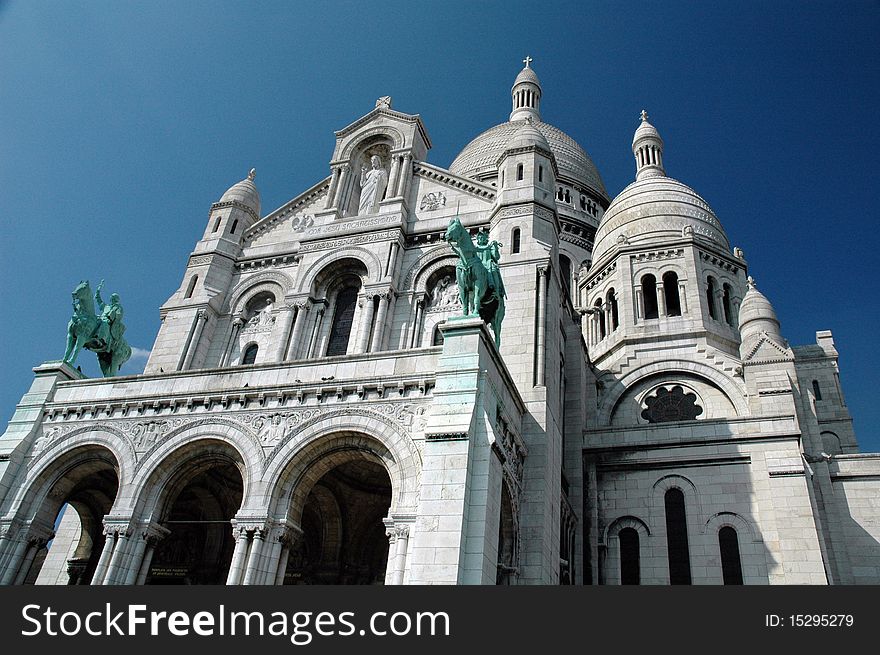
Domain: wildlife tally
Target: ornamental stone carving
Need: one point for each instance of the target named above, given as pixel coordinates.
(432, 201)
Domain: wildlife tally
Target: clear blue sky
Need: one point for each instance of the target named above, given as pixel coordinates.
(122, 122)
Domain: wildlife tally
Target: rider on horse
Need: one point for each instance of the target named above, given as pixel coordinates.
(110, 329)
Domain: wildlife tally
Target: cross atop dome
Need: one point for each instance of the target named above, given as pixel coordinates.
(644, 116)
(528, 60)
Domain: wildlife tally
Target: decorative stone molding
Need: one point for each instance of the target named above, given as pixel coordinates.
(428, 172)
(234, 203)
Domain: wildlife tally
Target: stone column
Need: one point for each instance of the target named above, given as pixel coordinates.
(606, 307)
(13, 563)
(392, 258)
(379, 331)
(315, 330)
(142, 553)
(541, 336)
(640, 303)
(139, 547)
(144, 570)
(366, 322)
(719, 304)
(284, 332)
(334, 182)
(392, 178)
(281, 569)
(230, 344)
(106, 553)
(391, 562)
(200, 320)
(116, 566)
(251, 574)
(405, 172)
(32, 547)
(344, 190)
(682, 297)
(341, 187)
(661, 300)
(298, 326)
(238, 556)
(414, 340)
(400, 558)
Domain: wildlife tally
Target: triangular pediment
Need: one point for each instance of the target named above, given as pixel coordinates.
(767, 349)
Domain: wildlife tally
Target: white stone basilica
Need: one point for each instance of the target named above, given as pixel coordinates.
(315, 409)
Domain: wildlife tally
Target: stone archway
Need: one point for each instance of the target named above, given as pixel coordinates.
(343, 538)
(196, 508)
(63, 536)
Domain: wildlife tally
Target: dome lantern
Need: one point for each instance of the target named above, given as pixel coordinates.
(526, 94)
(647, 147)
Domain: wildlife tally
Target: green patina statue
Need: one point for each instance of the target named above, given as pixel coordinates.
(100, 333)
(480, 286)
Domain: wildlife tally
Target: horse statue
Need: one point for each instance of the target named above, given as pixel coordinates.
(480, 287)
(100, 333)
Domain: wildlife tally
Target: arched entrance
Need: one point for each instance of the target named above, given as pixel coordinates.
(343, 537)
(200, 500)
(70, 501)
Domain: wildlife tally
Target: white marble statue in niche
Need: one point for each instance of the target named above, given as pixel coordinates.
(373, 183)
(445, 294)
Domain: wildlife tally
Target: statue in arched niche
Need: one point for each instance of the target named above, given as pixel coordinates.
(373, 183)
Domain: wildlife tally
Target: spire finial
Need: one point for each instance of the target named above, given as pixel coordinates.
(252, 174)
(644, 116)
(751, 282)
(528, 60)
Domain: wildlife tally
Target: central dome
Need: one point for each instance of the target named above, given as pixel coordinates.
(479, 159)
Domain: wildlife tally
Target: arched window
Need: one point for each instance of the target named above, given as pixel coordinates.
(191, 287)
(514, 239)
(600, 317)
(649, 296)
(725, 301)
(234, 226)
(216, 224)
(731, 564)
(670, 294)
(629, 556)
(583, 204)
(567, 196)
(710, 298)
(343, 316)
(519, 172)
(437, 337)
(540, 173)
(250, 354)
(817, 392)
(611, 299)
(677, 538)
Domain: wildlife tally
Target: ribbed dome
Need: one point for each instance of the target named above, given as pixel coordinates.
(646, 130)
(527, 75)
(479, 158)
(756, 314)
(657, 209)
(244, 192)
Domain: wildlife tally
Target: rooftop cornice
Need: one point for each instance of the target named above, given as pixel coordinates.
(467, 184)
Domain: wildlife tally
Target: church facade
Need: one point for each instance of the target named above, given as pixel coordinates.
(316, 409)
